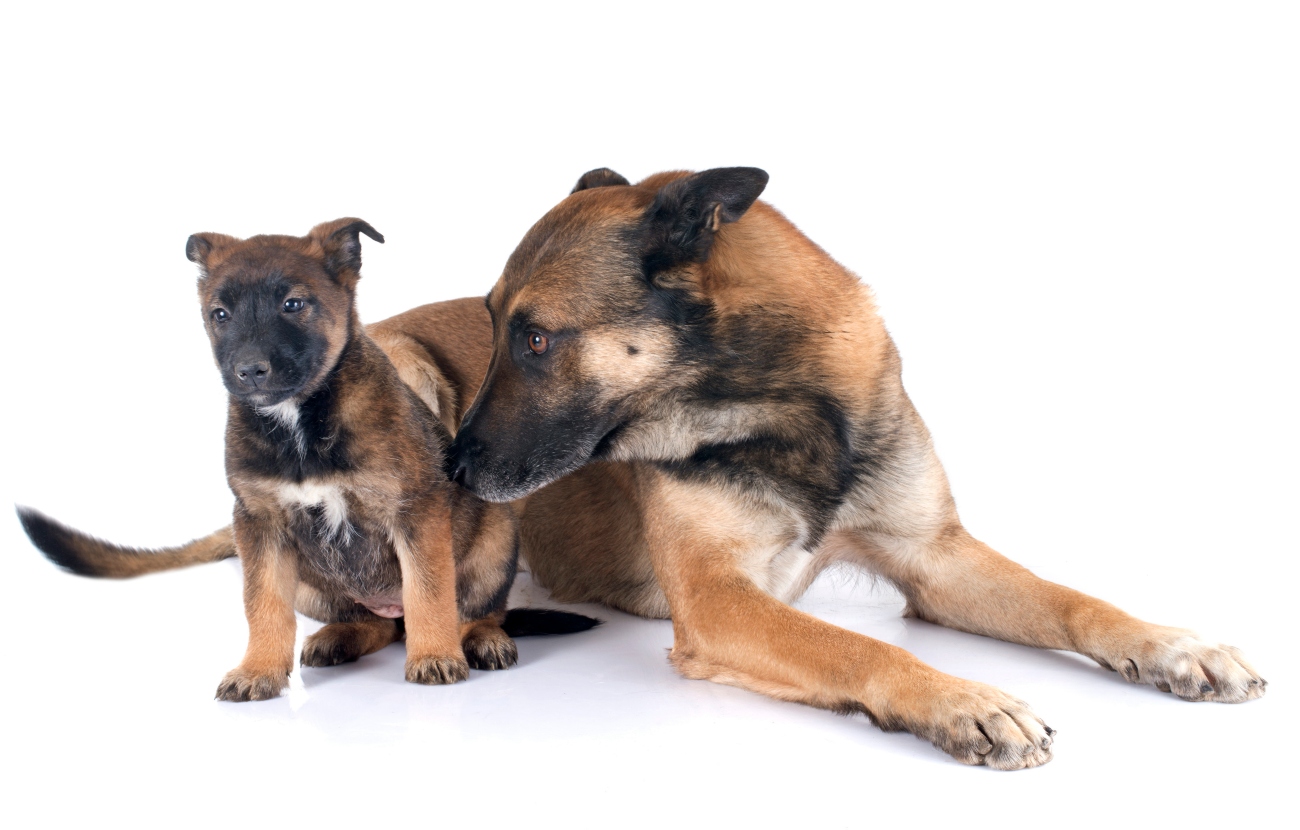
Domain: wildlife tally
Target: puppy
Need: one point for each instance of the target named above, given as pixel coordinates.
(342, 507)
(703, 411)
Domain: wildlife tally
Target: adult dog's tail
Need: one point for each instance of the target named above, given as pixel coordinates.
(83, 554)
(533, 622)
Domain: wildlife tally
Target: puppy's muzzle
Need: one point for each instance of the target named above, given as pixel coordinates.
(253, 374)
(461, 457)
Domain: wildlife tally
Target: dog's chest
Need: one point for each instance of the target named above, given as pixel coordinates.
(341, 545)
(327, 503)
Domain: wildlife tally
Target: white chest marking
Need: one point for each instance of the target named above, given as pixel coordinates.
(329, 497)
(286, 415)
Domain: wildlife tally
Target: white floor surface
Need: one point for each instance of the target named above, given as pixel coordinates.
(589, 730)
(1081, 224)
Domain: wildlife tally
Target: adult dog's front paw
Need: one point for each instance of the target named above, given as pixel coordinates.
(436, 671)
(1178, 661)
(242, 684)
(981, 725)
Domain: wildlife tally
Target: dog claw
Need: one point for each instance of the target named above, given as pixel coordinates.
(1177, 661)
(436, 671)
(490, 653)
(241, 685)
(981, 725)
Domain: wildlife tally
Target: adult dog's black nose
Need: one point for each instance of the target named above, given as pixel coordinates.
(253, 373)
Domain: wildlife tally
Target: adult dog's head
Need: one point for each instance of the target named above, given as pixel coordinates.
(279, 309)
(602, 312)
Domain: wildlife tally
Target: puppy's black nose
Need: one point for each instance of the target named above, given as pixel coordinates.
(252, 374)
(458, 462)
(460, 473)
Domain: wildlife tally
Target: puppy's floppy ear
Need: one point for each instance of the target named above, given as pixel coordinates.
(600, 177)
(340, 243)
(686, 214)
(199, 247)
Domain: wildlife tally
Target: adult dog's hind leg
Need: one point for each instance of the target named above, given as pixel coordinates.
(955, 580)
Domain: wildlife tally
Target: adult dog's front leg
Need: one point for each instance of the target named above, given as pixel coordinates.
(727, 630)
(433, 650)
(270, 581)
(953, 579)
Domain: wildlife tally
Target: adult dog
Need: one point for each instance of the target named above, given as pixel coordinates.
(719, 414)
(342, 506)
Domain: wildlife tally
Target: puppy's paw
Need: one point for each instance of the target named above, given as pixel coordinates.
(334, 644)
(1178, 661)
(436, 671)
(490, 649)
(981, 725)
(242, 684)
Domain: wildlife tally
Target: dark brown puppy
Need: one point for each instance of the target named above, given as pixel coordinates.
(343, 509)
(727, 412)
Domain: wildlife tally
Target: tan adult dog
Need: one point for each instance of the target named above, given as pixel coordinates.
(729, 412)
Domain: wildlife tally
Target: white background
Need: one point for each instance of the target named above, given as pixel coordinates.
(1081, 223)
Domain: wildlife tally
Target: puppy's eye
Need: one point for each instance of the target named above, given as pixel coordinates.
(538, 343)
(293, 304)
(220, 315)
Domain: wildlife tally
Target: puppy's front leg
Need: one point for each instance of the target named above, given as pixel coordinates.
(270, 581)
(486, 541)
(433, 649)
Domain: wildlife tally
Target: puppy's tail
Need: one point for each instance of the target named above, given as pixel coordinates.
(531, 622)
(83, 554)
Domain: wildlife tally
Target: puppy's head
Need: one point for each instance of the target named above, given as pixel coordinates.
(596, 317)
(279, 309)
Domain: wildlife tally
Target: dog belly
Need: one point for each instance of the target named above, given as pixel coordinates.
(356, 569)
(387, 605)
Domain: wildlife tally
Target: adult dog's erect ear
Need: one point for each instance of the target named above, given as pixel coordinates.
(340, 241)
(600, 177)
(199, 247)
(681, 222)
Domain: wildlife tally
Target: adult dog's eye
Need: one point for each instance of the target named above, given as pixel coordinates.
(220, 315)
(293, 304)
(539, 343)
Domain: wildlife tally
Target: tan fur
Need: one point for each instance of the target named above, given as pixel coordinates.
(391, 488)
(433, 651)
(487, 644)
(335, 453)
(270, 584)
(417, 370)
(454, 340)
(723, 557)
(338, 642)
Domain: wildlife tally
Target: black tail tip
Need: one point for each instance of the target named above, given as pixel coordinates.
(534, 622)
(54, 540)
